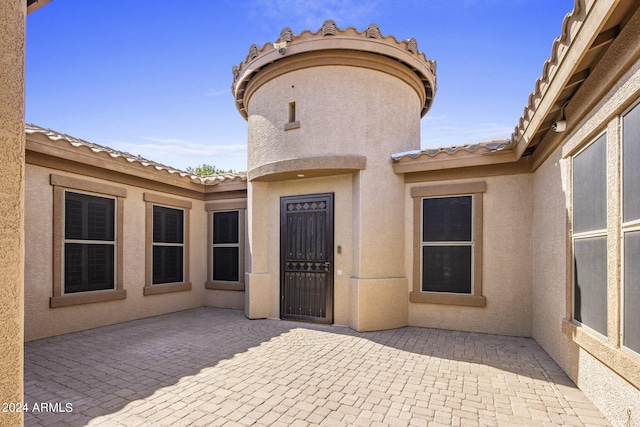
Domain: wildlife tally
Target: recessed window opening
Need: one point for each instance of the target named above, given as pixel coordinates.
(630, 321)
(168, 245)
(447, 244)
(226, 246)
(590, 235)
(89, 242)
(292, 112)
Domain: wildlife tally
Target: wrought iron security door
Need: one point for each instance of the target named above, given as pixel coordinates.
(306, 258)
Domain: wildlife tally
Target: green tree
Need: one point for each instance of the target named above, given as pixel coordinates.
(206, 170)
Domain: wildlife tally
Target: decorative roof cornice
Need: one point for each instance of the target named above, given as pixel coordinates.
(479, 147)
(329, 37)
(130, 159)
(224, 177)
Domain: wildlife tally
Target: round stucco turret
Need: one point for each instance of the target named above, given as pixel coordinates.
(331, 102)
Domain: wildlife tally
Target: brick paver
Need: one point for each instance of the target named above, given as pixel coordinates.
(213, 367)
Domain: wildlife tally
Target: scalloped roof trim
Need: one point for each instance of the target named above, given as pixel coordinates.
(224, 177)
(351, 30)
(255, 51)
(486, 147)
(558, 51)
(130, 158)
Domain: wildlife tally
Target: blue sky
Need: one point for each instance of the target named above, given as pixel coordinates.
(153, 77)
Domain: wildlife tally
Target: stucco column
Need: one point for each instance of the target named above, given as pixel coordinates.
(378, 293)
(12, 142)
(257, 277)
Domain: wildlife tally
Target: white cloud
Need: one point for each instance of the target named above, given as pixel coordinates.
(310, 14)
(192, 149)
(180, 147)
(180, 153)
(217, 92)
(439, 118)
(162, 140)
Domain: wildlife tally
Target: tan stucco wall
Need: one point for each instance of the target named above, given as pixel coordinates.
(265, 250)
(257, 276)
(552, 270)
(551, 267)
(12, 140)
(378, 266)
(342, 110)
(611, 393)
(364, 304)
(224, 299)
(506, 267)
(42, 321)
(618, 400)
(379, 303)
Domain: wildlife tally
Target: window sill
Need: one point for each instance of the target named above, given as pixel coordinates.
(86, 298)
(624, 363)
(225, 286)
(291, 125)
(449, 299)
(167, 288)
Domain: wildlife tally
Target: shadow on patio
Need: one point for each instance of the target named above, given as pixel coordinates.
(209, 366)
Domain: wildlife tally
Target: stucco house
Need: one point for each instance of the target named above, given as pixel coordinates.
(342, 219)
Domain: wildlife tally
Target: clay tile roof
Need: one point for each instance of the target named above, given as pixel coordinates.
(224, 177)
(558, 52)
(329, 37)
(480, 147)
(31, 129)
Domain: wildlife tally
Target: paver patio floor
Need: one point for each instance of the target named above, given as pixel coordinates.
(211, 367)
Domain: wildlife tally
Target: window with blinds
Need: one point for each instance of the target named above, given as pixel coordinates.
(447, 244)
(167, 245)
(89, 242)
(226, 246)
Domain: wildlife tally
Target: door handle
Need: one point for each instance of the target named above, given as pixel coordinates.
(326, 266)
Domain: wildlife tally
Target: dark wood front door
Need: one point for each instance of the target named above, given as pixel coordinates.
(306, 258)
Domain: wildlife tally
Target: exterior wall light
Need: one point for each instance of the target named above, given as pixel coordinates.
(560, 125)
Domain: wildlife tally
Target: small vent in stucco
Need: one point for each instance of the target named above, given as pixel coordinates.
(293, 123)
(292, 112)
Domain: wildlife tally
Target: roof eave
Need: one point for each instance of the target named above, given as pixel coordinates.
(587, 32)
(33, 5)
(85, 156)
(563, 70)
(460, 159)
(52, 144)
